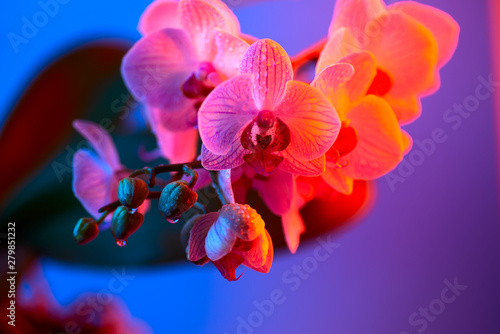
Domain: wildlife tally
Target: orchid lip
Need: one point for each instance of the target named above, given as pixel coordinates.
(198, 83)
(265, 135)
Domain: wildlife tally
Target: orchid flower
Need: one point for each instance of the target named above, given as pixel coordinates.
(189, 48)
(370, 143)
(232, 236)
(266, 119)
(410, 43)
(96, 174)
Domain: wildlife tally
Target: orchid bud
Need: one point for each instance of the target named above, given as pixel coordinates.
(124, 224)
(132, 192)
(85, 230)
(176, 198)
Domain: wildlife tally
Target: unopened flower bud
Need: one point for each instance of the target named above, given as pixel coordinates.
(132, 192)
(85, 230)
(124, 224)
(176, 198)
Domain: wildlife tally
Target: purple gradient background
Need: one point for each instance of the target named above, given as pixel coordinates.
(441, 223)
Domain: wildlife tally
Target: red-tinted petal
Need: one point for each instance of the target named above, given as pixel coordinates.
(199, 234)
(227, 266)
(293, 227)
(336, 179)
(276, 191)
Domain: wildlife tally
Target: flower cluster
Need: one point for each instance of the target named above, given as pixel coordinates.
(200, 78)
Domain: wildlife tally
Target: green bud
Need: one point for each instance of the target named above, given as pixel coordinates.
(125, 223)
(132, 192)
(85, 230)
(176, 198)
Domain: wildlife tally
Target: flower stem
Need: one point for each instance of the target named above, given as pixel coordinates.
(187, 168)
(108, 208)
(218, 188)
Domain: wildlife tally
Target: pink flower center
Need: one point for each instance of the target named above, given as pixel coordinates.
(381, 84)
(263, 136)
(199, 83)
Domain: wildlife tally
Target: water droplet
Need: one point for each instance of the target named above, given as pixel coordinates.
(121, 242)
(173, 221)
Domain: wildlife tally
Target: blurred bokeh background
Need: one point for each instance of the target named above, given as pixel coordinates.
(438, 226)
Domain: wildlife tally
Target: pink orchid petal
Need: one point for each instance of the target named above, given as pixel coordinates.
(227, 266)
(306, 168)
(92, 181)
(380, 143)
(260, 257)
(199, 18)
(355, 14)
(181, 120)
(444, 28)
(271, 69)
(276, 191)
(293, 227)
(177, 147)
(224, 114)
(204, 179)
(100, 140)
(220, 239)
(311, 119)
(156, 66)
(232, 24)
(225, 182)
(231, 159)
(230, 51)
(336, 179)
(407, 50)
(196, 249)
(159, 14)
(406, 109)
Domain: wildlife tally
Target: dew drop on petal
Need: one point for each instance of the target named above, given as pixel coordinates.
(121, 242)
